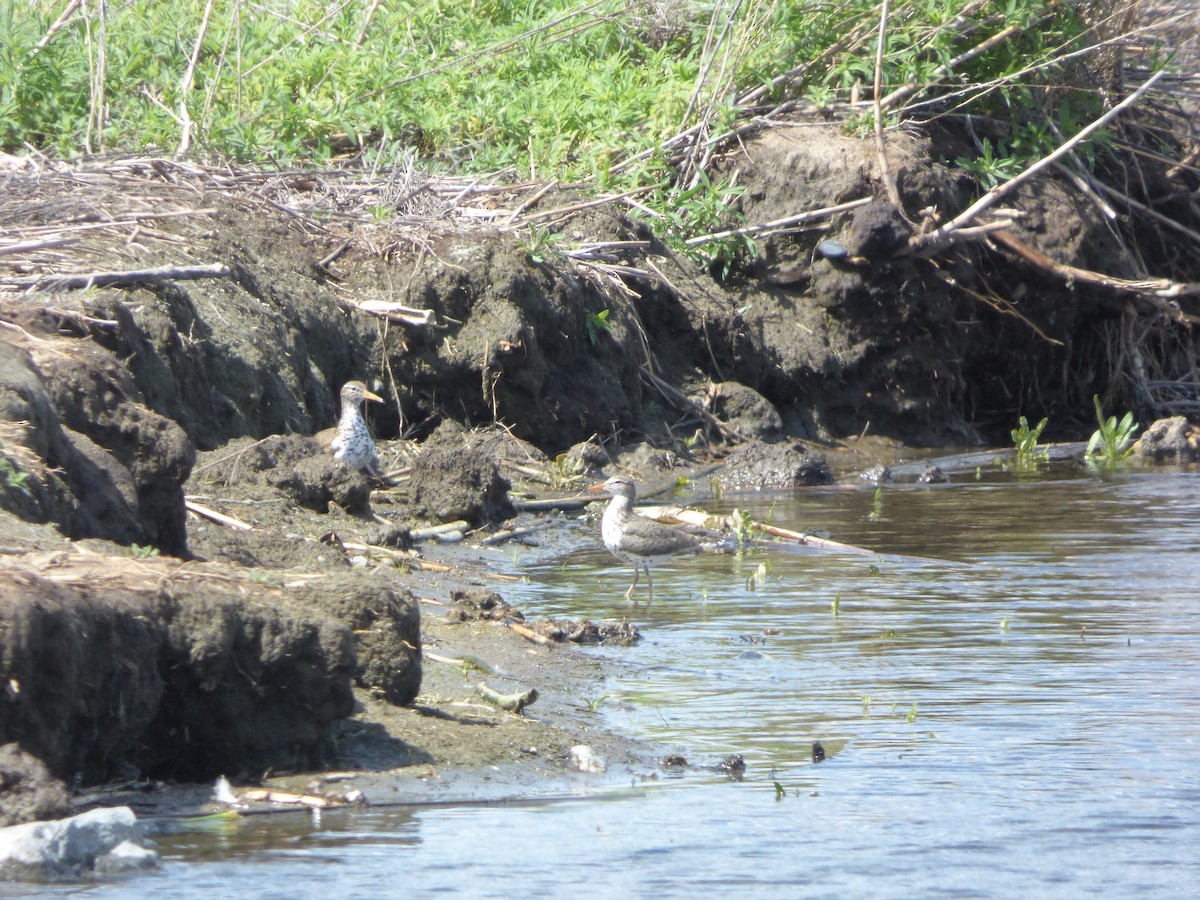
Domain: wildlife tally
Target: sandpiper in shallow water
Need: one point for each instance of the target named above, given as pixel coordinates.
(352, 444)
(635, 539)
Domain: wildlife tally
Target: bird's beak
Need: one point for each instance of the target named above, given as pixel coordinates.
(367, 395)
(598, 486)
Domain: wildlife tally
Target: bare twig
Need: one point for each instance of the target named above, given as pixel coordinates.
(940, 237)
(101, 279)
(786, 222)
(185, 83)
(213, 516)
(885, 171)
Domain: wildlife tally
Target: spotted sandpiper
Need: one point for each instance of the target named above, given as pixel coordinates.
(352, 443)
(635, 539)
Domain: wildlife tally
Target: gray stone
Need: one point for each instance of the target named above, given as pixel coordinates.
(104, 840)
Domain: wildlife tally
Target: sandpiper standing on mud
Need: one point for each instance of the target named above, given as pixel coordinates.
(352, 443)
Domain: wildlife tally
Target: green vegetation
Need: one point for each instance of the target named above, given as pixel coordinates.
(617, 94)
(12, 477)
(1113, 440)
(1026, 441)
(596, 325)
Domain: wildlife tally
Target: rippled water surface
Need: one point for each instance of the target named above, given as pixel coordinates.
(1008, 696)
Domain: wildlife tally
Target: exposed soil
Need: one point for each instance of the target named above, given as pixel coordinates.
(137, 640)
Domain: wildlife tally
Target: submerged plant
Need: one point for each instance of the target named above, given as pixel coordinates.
(1026, 441)
(1113, 440)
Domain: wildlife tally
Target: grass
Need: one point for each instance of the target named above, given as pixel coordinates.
(1112, 441)
(576, 91)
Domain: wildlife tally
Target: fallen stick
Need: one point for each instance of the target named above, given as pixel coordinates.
(465, 662)
(529, 634)
(514, 703)
(511, 534)
(785, 222)
(213, 516)
(398, 312)
(421, 534)
(552, 503)
(133, 276)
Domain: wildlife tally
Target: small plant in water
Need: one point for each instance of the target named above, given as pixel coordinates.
(912, 714)
(1113, 440)
(877, 508)
(780, 792)
(1026, 441)
(836, 606)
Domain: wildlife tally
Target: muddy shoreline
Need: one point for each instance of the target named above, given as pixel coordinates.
(192, 586)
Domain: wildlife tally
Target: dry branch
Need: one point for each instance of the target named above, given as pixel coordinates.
(398, 312)
(133, 276)
(941, 237)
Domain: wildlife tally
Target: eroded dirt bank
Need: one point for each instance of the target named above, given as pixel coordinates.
(140, 640)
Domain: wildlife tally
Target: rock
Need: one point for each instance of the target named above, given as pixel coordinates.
(27, 791)
(1174, 437)
(104, 841)
(451, 483)
(586, 458)
(750, 413)
(759, 466)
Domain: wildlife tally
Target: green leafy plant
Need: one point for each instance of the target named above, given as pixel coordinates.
(541, 244)
(137, 551)
(597, 324)
(1026, 441)
(13, 478)
(1113, 440)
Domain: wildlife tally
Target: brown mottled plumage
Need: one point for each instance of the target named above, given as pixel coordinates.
(635, 539)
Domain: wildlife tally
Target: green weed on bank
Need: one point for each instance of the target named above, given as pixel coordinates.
(580, 92)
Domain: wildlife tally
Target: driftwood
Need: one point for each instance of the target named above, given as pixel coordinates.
(514, 703)
(213, 516)
(528, 634)
(133, 276)
(464, 662)
(702, 519)
(398, 312)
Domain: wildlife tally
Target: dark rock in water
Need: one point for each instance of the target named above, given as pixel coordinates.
(818, 752)
(586, 458)
(734, 766)
(876, 230)
(452, 483)
(749, 413)
(933, 475)
(1174, 437)
(27, 791)
(876, 474)
(759, 466)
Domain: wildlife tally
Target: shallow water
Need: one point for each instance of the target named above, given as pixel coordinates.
(1009, 697)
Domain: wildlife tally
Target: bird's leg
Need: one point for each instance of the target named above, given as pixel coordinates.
(650, 584)
(629, 593)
